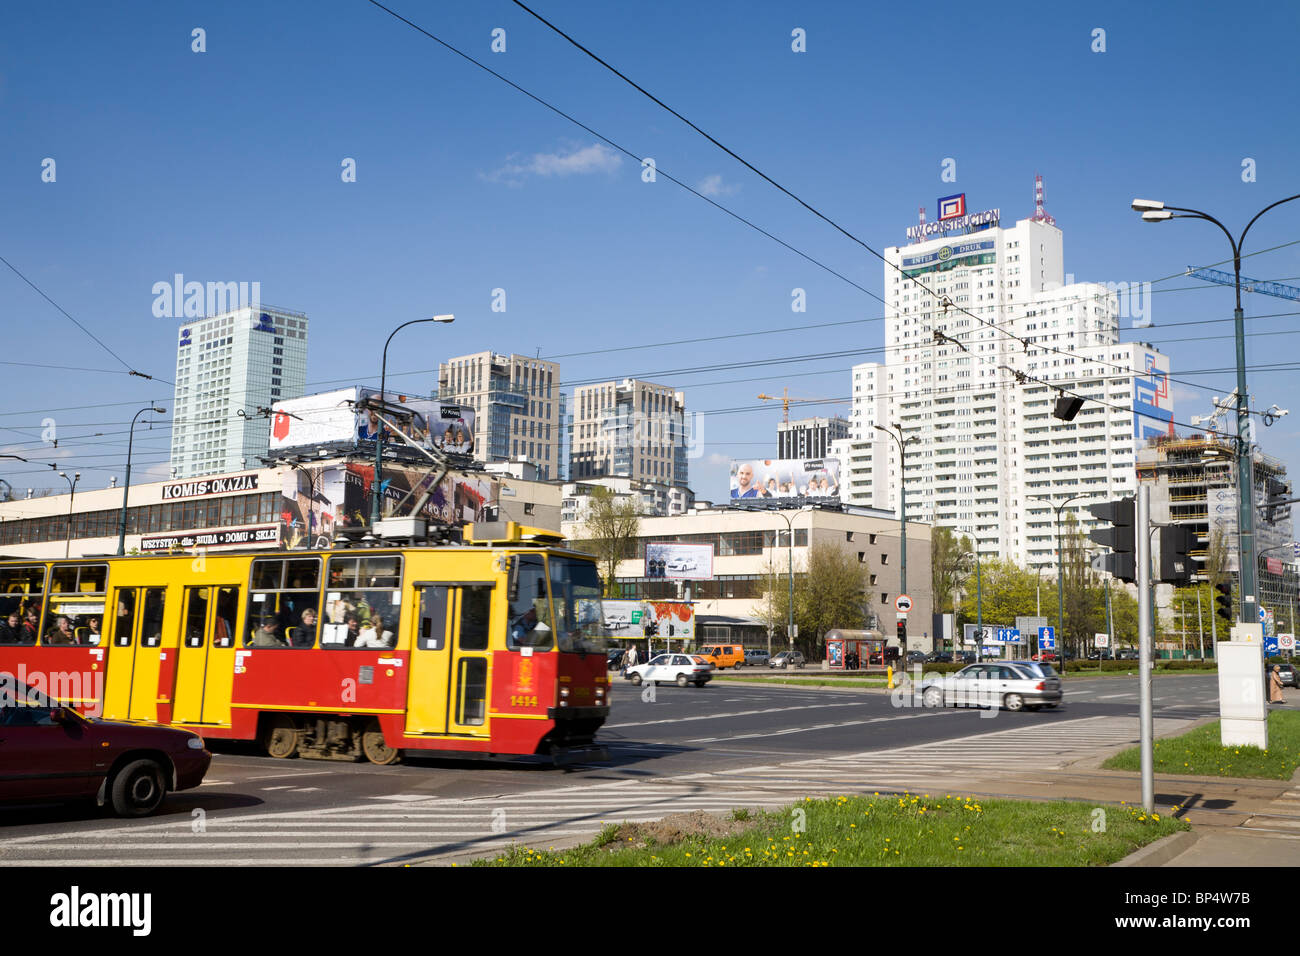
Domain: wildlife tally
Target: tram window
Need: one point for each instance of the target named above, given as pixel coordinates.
(151, 628)
(125, 625)
(196, 616)
(433, 618)
(223, 633)
(530, 611)
(475, 609)
(282, 603)
(471, 690)
(75, 612)
(21, 590)
(363, 603)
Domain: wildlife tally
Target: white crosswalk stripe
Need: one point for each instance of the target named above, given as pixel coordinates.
(403, 828)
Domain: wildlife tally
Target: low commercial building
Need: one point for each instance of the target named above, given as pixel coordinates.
(752, 551)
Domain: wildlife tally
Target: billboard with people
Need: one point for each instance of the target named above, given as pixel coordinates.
(336, 421)
(783, 479)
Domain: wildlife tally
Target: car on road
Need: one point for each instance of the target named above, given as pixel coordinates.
(1013, 685)
(787, 659)
(614, 658)
(680, 669)
(916, 657)
(756, 656)
(938, 657)
(52, 752)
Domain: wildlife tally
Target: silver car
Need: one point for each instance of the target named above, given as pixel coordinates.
(1015, 685)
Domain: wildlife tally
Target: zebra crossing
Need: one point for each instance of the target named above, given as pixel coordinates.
(398, 829)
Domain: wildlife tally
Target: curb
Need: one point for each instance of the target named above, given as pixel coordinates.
(1162, 852)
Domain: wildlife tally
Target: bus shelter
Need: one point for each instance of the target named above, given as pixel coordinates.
(855, 650)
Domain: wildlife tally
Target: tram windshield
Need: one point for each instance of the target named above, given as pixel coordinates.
(575, 589)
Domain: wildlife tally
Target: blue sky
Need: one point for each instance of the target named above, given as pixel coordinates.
(225, 166)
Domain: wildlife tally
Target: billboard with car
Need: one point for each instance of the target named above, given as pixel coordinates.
(679, 562)
(333, 421)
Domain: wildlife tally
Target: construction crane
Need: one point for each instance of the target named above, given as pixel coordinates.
(785, 400)
(1247, 285)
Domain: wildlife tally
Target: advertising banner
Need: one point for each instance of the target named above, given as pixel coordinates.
(332, 420)
(261, 535)
(784, 480)
(624, 618)
(669, 621)
(679, 562)
(317, 500)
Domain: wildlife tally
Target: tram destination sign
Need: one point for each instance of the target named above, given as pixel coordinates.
(209, 486)
(220, 538)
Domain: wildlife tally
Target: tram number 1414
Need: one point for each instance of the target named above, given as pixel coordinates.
(518, 701)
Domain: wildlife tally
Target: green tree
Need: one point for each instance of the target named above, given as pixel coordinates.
(830, 591)
(610, 533)
(1008, 591)
(951, 565)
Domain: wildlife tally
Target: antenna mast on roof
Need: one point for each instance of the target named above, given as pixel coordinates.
(1040, 214)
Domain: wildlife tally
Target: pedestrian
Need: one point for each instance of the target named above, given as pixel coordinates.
(631, 656)
(1275, 686)
(624, 662)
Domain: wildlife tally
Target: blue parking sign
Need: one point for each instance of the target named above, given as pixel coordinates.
(1047, 638)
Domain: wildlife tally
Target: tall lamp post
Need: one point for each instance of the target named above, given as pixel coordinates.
(896, 433)
(1155, 211)
(126, 485)
(1060, 575)
(789, 524)
(379, 432)
(72, 493)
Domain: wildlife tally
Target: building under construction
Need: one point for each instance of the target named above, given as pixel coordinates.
(1193, 481)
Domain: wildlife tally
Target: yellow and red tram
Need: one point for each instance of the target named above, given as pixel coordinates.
(488, 647)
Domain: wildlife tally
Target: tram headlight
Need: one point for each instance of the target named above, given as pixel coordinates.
(564, 692)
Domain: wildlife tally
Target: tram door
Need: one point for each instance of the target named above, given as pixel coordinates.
(447, 689)
(134, 642)
(204, 669)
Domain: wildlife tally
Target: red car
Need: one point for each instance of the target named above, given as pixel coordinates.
(51, 752)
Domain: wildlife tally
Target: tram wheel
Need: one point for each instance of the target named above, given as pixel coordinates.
(376, 751)
(281, 738)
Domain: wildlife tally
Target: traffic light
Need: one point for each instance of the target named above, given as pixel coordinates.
(1223, 599)
(1119, 538)
(1176, 565)
(902, 634)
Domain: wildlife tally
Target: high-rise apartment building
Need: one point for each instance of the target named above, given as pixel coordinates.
(228, 364)
(631, 429)
(809, 437)
(974, 393)
(518, 405)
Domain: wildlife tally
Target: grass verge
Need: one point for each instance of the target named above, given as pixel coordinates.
(1198, 752)
(879, 830)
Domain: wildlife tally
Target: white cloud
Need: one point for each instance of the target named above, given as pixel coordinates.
(595, 158)
(714, 186)
(716, 459)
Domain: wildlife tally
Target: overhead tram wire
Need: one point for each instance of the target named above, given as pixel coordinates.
(622, 149)
(1026, 342)
(98, 341)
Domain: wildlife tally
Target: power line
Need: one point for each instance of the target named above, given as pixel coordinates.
(97, 339)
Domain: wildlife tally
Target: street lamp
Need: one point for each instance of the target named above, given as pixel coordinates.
(72, 493)
(896, 433)
(379, 433)
(1060, 575)
(126, 485)
(1155, 211)
(979, 604)
(789, 524)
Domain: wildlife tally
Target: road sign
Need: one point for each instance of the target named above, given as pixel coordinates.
(1047, 638)
(1286, 642)
(1270, 646)
(903, 603)
(1008, 635)
(1101, 640)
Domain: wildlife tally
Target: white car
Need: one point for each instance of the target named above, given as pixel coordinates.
(681, 564)
(616, 623)
(681, 669)
(1015, 685)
